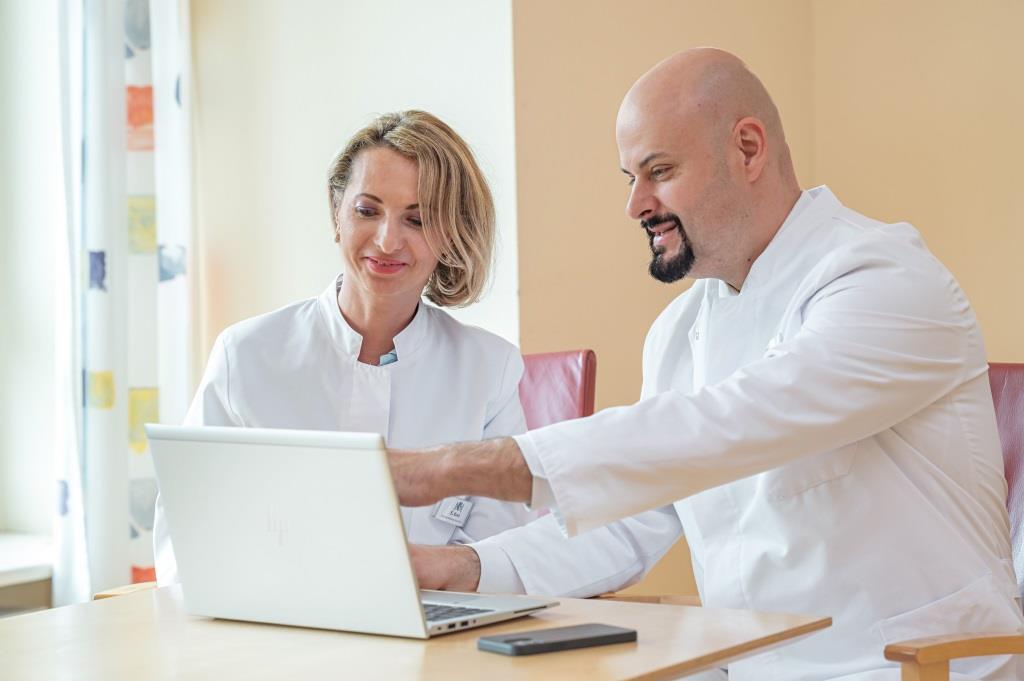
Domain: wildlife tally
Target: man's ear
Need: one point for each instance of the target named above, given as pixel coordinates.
(750, 138)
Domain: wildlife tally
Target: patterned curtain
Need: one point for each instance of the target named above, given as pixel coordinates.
(127, 322)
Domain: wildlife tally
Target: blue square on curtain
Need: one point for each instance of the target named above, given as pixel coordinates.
(62, 497)
(98, 270)
(172, 261)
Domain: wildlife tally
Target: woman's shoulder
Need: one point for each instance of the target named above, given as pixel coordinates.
(275, 328)
(467, 337)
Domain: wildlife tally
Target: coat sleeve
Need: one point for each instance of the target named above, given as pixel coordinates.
(879, 341)
(505, 417)
(538, 559)
(211, 406)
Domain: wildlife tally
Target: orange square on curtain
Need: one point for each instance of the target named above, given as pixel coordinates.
(143, 574)
(139, 135)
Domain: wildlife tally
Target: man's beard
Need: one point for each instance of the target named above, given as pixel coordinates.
(664, 268)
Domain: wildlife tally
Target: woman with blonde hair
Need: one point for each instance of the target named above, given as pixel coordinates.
(413, 217)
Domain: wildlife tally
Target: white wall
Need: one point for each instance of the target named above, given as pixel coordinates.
(31, 209)
(280, 85)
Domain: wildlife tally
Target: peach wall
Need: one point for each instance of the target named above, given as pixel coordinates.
(924, 126)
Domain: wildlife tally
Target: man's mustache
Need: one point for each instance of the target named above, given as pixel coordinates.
(656, 220)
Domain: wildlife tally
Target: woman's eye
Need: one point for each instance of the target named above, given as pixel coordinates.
(416, 222)
(631, 181)
(364, 211)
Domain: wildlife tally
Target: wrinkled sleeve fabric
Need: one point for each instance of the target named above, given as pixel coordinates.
(211, 406)
(538, 559)
(505, 416)
(879, 341)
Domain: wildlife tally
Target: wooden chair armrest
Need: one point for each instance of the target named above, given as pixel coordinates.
(954, 646)
(668, 599)
(927, 659)
(124, 590)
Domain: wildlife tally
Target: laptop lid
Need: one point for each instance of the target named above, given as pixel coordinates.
(287, 527)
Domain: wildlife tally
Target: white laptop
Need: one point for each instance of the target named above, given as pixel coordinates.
(301, 528)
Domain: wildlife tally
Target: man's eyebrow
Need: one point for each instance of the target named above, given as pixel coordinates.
(647, 160)
(651, 157)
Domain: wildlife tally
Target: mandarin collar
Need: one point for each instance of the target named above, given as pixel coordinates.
(408, 341)
(785, 251)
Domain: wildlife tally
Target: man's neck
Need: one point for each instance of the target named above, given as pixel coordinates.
(775, 216)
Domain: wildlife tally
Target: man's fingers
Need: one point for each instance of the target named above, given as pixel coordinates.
(449, 568)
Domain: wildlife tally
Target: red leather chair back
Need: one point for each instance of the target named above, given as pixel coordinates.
(1007, 382)
(558, 386)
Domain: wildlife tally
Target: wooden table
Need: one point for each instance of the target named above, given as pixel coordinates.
(147, 635)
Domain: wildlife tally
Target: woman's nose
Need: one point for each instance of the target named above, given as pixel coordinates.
(389, 236)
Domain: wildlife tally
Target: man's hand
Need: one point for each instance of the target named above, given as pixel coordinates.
(491, 468)
(446, 568)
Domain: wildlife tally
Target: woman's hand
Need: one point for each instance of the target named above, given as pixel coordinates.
(445, 568)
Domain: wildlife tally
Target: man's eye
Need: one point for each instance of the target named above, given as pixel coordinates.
(631, 181)
(658, 172)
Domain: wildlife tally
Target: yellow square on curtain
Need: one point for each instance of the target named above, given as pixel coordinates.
(143, 408)
(99, 389)
(141, 224)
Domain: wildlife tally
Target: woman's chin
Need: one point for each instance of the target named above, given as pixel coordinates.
(391, 284)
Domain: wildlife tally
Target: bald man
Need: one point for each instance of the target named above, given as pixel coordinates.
(815, 413)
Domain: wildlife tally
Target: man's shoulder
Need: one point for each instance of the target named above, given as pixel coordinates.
(857, 242)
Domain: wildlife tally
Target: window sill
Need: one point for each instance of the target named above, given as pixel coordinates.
(25, 558)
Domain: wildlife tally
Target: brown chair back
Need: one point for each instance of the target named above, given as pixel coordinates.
(1007, 382)
(558, 386)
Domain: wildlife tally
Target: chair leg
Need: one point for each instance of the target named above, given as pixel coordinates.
(935, 671)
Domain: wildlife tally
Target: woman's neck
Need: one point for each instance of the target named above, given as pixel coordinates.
(378, 320)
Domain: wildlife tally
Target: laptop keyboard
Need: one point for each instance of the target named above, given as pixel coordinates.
(438, 611)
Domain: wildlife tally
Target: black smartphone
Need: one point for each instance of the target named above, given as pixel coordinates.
(559, 638)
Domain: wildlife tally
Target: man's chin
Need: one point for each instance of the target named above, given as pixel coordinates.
(672, 269)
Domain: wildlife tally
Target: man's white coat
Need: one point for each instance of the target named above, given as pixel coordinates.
(826, 439)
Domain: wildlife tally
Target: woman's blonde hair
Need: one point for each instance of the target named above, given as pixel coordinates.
(455, 203)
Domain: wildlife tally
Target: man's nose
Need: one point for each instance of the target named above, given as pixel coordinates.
(641, 202)
(389, 235)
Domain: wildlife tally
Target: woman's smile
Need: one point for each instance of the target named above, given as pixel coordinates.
(384, 266)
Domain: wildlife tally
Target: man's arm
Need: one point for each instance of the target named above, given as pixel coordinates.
(537, 558)
(880, 341)
(491, 468)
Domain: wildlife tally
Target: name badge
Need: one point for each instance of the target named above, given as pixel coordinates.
(454, 511)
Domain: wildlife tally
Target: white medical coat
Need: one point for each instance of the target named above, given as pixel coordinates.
(825, 438)
(297, 368)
